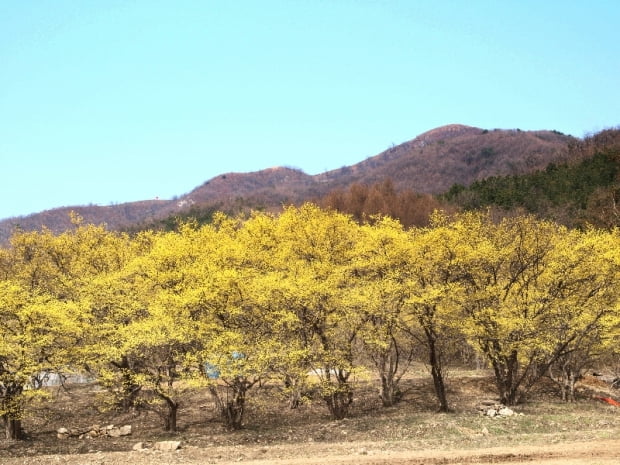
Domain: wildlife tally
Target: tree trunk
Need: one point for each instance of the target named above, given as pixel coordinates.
(11, 404)
(235, 408)
(506, 379)
(170, 419)
(390, 393)
(232, 407)
(338, 402)
(129, 392)
(387, 366)
(570, 395)
(293, 388)
(13, 428)
(566, 378)
(338, 396)
(434, 356)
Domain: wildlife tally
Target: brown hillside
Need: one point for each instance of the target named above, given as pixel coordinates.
(430, 163)
(269, 187)
(434, 161)
(114, 216)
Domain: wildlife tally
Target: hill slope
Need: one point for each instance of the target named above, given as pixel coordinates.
(586, 190)
(430, 163)
(435, 160)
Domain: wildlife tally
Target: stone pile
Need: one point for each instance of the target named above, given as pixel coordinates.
(495, 410)
(498, 411)
(94, 431)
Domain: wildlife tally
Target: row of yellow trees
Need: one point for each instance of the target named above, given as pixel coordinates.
(238, 302)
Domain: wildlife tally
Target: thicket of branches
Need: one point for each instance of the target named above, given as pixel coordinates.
(364, 201)
(278, 298)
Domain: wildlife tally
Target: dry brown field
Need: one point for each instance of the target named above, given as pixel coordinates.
(544, 430)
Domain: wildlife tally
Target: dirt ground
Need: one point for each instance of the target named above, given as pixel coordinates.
(544, 431)
(574, 453)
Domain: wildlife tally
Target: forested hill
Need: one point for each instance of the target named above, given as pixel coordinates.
(429, 164)
(585, 189)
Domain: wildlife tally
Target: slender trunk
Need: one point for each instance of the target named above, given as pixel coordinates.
(387, 366)
(566, 379)
(389, 392)
(129, 394)
(291, 384)
(506, 380)
(11, 404)
(13, 428)
(338, 402)
(232, 407)
(129, 389)
(571, 376)
(440, 389)
(570, 394)
(235, 407)
(434, 356)
(339, 395)
(170, 419)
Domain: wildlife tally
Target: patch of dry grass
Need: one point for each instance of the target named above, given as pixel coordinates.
(411, 425)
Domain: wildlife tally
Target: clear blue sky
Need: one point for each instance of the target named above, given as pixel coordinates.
(113, 101)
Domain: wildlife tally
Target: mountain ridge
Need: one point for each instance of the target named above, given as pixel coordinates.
(429, 163)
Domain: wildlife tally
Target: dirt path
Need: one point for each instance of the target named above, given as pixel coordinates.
(605, 452)
(600, 453)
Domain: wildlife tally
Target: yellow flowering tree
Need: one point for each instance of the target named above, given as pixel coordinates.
(534, 291)
(43, 318)
(143, 330)
(433, 292)
(380, 269)
(586, 267)
(315, 252)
